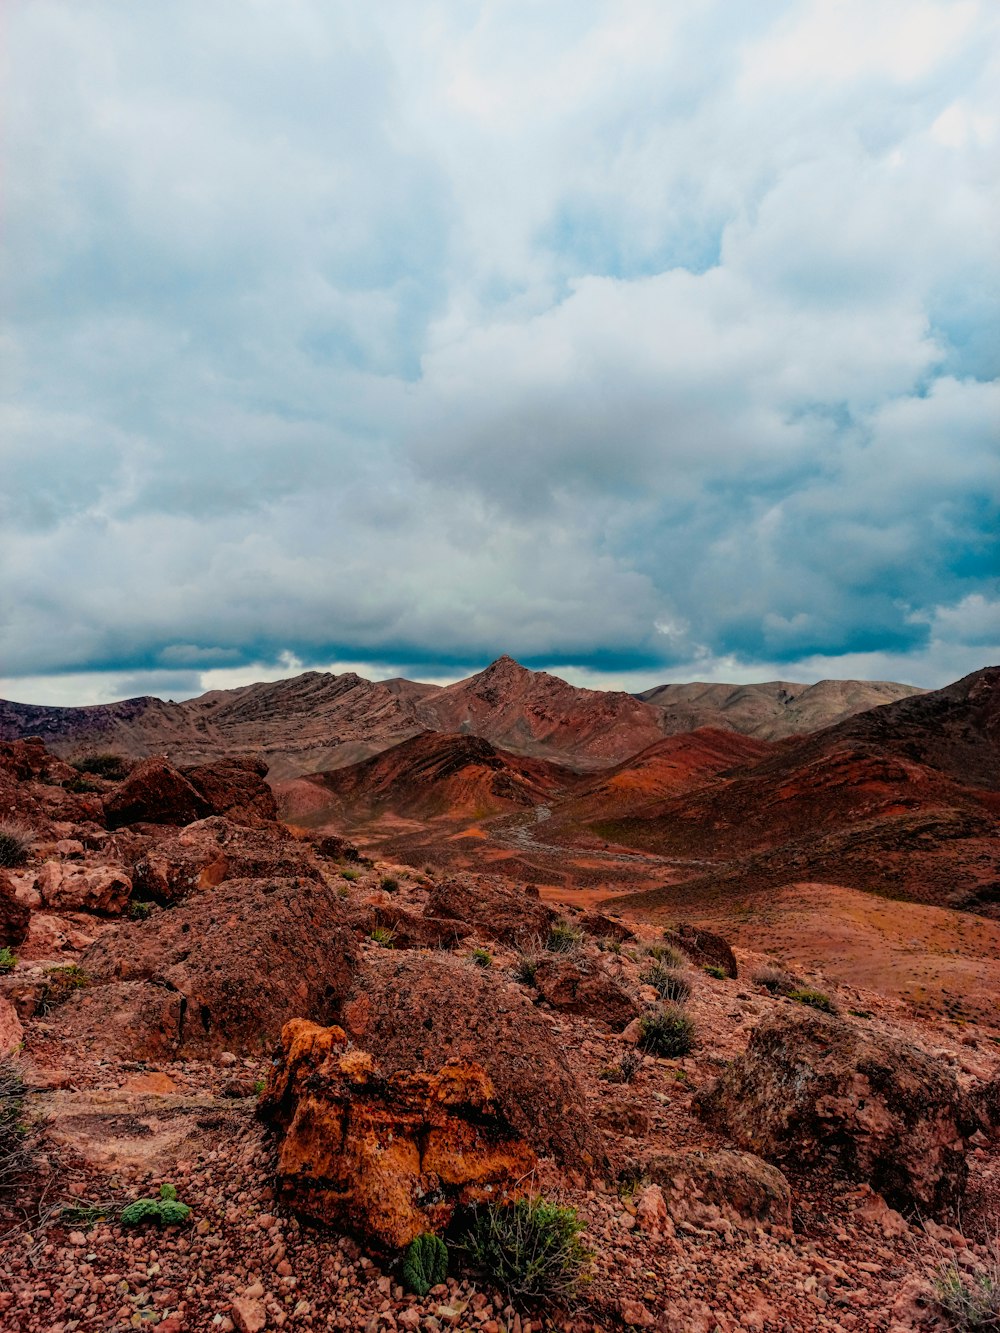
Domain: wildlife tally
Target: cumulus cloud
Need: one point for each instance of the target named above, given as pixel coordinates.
(634, 339)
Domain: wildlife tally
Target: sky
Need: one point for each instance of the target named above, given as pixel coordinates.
(644, 340)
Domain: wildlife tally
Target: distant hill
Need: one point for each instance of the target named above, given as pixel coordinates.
(318, 721)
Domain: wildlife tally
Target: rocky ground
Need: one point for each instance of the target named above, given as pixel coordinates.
(146, 1062)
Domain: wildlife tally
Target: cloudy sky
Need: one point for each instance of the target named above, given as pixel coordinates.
(644, 340)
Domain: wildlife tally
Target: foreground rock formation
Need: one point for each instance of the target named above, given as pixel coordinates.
(386, 1157)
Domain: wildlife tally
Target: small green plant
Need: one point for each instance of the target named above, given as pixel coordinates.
(425, 1263)
(165, 1211)
(531, 1250)
(777, 980)
(630, 1177)
(526, 969)
(625, 1070)
(482, 957)
(111, 766)
(612, 945)
(815, 999)
(8, 960)
(16, 842)
(259, 1085)
(138, 911)
(860, 1013)
(85, 1214)
(668, 983)
(81, 785)
(713, 970)
(383, 935)
(16, 1154)
(60, 984)
(350, 875)
(389, 884)
(668, 1034)
(343, 891)
(968, 1300)
(563, 938)
(666, 954)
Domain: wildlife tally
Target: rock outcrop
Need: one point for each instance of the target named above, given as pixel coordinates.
(420, 1011)
(700, 1187)
(235, 787)
(582, 986)
(511, 915)
(703, 947)
(386, 1157)
(155, 793)
(813, 1088)
(15, 915)
(240, 962)
(66, 887)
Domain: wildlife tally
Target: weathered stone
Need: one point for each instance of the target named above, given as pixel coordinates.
(11, 1032)
(420, 1011)
(511, 915)
(703, 947)
(387, 1157)
(811, 1087)
(73, 888)
(735, 1184)
(235, 787)
(14, 914)
(582, 986)
(155, 793)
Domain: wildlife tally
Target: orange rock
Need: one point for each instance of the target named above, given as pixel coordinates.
(388, 1158)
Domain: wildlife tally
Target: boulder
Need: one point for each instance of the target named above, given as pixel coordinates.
(702, 947)
(242, 961)
(512, 915)
(604, 927)
(411, 931)
(235, 787)
(336, 848)
(155, 793)
(580, 985)
(211, 850)
(14, 914)
(78, 888)
(813, 1088)
(387, 1157)
(11, 1031)
(420, 1011)
(700, 1187)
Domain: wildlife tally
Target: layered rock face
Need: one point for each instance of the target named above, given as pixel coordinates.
(812, 1088)
(387, 1157)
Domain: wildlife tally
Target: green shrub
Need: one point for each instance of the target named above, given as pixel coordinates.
(713, 970)
(81, 785)
(526, 968)
(60, 984)
(531, 1250)
(425, 1263)
(666, 954)
(138, 911)
(165, 1211)
(111, 766)
(390, 884)
(968, 1300)
(668, 1034)
(777, 980)
(563, 938)
(350, 875)
(482, 957)
(16, 842)
(16, 1155)
(668, 983)
(815, 999)
(8, 960)
(383, 935)
(343, 891)
(625, 1070)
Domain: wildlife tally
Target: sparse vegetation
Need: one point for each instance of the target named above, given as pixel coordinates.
(668, 983)
(60, 984)
(85, 1214)
(666, 954)
(8, 960)
(139, 911)
(383, 935)
(530, 1250)
(259, 1085)
(15, 1142)
(668, 1034)
(425, 1263)
(563, 938)
(114, 767)
(482, 957)
(389, 884)
(350, 875)
(16, 842)
(713, 970)
(815, 999)
(526, 968)
(81, 785)
(777, 980)
(164, 1211)
(968, 1301)
(343, 891)
(625, 1070)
